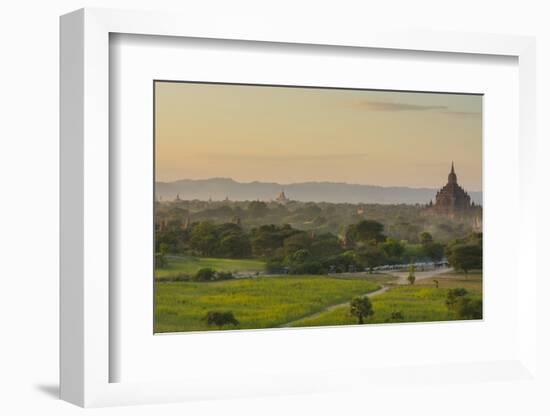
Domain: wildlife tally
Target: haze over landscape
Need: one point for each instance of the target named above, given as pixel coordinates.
(293, 135)
(218, 189)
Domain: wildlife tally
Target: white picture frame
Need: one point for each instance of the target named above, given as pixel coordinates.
(86, 356)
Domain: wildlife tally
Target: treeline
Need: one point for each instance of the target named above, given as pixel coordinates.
(401, 222)
(205, 239)
(289, 250)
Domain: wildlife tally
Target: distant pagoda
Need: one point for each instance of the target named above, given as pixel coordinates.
(281, 198)
(451, 199)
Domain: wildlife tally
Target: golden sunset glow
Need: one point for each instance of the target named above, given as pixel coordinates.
(292, 134)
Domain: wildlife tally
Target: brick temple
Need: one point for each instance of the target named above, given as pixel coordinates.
(451, 199)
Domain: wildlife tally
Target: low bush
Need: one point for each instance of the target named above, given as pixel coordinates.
(210, 275)
(220, 319)
(205, 275)
(396, 316)
(468, 308)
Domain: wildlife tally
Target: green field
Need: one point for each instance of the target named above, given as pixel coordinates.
(190, 265)
(421, 302)
(263, 302)
(274, 301)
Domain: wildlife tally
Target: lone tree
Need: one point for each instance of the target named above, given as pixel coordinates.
(220, 318)
(361, 307)
(411, 277)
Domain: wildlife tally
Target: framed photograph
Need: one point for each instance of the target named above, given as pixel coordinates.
(287, 206)
(268, 212)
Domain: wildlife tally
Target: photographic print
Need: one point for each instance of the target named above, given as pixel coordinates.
(289, 206)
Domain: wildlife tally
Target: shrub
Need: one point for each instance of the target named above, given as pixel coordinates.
(396, 316)
(210, 275)
(220, 319)
(453, 296)
(205, 275)
(470, 308)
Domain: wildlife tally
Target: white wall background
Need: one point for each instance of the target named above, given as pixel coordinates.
(29, 204)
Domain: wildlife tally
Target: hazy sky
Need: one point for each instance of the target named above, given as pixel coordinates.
(285, 135)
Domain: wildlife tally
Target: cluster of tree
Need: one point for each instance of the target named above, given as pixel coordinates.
(223, 240)
(462, 305)
(173, 235)
(466, 254)
(298, 252)
(373, 248)
(289, 250)
(205, 239)
(269, 240)
(401, 221)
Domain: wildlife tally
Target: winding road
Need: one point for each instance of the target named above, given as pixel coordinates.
(401, 280)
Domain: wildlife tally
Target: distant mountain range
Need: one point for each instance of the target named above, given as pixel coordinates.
(220, 188)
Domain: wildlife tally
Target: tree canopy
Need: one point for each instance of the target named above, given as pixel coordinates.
(365, 231)
(361, 307)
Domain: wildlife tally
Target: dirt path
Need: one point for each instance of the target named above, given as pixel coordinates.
(402, 276)
(401, 280)
(332, 307)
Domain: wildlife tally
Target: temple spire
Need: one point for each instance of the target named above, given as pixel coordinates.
(452, 175)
